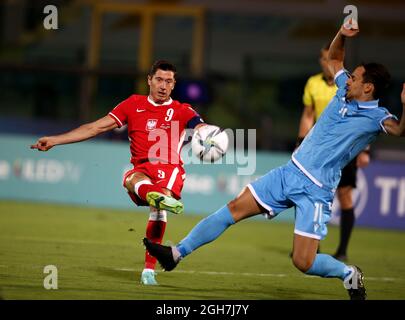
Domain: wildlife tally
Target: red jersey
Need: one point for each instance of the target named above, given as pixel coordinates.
(156, 132)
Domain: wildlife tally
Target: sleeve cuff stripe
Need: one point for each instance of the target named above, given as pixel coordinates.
(385, 118)
(339, 73)
(116, 119)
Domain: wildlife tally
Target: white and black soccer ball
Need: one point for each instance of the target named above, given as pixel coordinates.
(209, 143)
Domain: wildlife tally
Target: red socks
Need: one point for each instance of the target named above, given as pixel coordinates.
(145, 186)
(154, 232)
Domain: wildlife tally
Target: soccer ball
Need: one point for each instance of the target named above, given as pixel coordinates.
(209, 143)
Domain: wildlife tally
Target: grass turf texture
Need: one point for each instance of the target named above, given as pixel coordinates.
(99, 255)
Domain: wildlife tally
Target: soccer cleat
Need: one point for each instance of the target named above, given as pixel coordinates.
(163, 202)
(162, 253)
(355, 285)
(148, 277)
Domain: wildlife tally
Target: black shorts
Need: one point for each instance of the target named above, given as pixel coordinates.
(349, 174)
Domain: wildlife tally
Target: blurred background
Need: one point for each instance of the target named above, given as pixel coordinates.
(242, 64)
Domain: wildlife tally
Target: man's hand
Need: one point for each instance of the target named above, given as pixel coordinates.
(353, 31)
(403, 94)
(336, 53)
(43, 144)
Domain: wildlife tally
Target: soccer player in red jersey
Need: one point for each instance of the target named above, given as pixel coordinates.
(156, 130)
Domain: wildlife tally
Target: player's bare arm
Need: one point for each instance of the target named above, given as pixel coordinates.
(363, 158)
(84, 132)
(394, 127)
(336, 51)
(307, 121)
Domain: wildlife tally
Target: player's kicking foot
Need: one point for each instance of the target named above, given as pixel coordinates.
(356, 288)
(148, 277)
(163, 202)
(163, 254)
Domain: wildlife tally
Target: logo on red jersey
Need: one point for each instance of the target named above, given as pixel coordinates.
(151, 124)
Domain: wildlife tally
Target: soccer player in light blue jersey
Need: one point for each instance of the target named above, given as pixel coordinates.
(352, 120)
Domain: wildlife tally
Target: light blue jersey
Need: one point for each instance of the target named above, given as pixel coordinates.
(344, 129)
(309, 180)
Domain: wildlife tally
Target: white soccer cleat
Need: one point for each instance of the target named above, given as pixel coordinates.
(148, 277)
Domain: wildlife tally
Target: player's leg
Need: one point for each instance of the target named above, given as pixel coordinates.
(347, 220)
(156, 225)
(210, 228)
(142, 185)
(309, 262)
(347, 216)
(155, 230)
(304, 252)
(207, 230)
(170, 180)
(264, 195)
(312, 215)
(310, 227)
(299, 259)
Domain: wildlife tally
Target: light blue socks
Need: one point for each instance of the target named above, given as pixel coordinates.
(206, 230)
(214, 225)
(328, 267)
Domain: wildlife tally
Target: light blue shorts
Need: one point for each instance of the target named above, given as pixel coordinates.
(287, 186)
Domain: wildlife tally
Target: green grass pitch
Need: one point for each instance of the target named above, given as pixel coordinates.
(99, 255)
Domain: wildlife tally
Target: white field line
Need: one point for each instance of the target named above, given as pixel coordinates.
(250, 274)
(246, 274)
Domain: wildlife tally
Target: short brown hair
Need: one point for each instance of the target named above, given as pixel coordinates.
(162, 65)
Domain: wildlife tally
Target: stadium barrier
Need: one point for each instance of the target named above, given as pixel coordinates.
(90, 174)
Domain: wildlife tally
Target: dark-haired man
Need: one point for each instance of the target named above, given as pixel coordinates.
(156, 130)
(351, 121)
(318, 92)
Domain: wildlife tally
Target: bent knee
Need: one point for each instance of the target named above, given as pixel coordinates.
(129, 183)
(238, 208)
(301, 263)
(133, 179)
(233, 205)
(243, 206)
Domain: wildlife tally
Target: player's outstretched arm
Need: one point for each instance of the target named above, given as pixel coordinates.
(84, 132)
(336, 53)
(394, 127)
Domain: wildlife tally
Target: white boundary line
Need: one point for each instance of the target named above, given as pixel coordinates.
(246, 274)
(250, 274)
